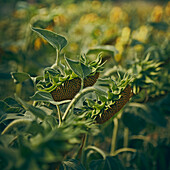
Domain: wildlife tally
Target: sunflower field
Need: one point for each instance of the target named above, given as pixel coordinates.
(84, 85)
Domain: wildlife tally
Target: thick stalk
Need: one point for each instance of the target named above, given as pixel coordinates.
(82, 84)
(79, 155)
(57, 59)
(76, 98)
(59, 115)
(114, 136)
(124, 150)
(126, 137)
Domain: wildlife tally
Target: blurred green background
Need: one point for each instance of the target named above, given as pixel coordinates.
(84, 23)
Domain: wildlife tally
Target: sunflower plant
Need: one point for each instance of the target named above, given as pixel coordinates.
(70, 100)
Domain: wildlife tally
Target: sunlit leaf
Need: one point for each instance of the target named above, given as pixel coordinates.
(56, 40)
(103, 48)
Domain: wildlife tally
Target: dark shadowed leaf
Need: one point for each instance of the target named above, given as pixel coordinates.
(42, 96)
(131, 120)
(86, 70)
(34, 110)
(159, 25)
(75, 66)
(71, 164)
(20, 77)
(109, 163)
(149, 114)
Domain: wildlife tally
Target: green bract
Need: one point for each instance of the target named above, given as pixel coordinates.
(73, 69)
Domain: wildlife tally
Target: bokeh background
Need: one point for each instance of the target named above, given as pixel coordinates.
(85, 24)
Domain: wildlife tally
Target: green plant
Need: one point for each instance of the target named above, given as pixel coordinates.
(66, 109)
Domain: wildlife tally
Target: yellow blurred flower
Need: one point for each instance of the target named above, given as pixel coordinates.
(96, 4)
(20, 14)
(141, 34)
(37, 44)
(93, 43)
(138, 47)
(119, 47)
(97, 32)
(156, 15)
(13, 48)
(167, 9)
(109, 32)
(88, 18)
(73, 46)
(72, 8)
(60, 20)
(116, 14)
(125, 35)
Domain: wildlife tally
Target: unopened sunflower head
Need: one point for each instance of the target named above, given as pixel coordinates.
(106, 106)
(145, 71)
(58, 76)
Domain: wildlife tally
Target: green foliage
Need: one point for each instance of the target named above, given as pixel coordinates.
(120, 77)
(57, 41)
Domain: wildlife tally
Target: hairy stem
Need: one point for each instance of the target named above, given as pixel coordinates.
(123, 150)
(76, 98)
(57, 57)
(82, 84)
(16, 124)
(126, 137)
(114, 136)
(59, 115)
(82, 146)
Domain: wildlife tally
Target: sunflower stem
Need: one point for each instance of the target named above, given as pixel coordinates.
(59, 115)
(76, 98)
(126, 136)
(114, 136)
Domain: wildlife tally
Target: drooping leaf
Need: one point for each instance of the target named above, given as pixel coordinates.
(5, 140)
(34, 110)
(86, 70)
(75, 66)
(109, 163)
(56, 40)
(103, 48)
(71, 164)
(46, 97)
(10, 116)
(3, 107)
(12, 102)
(20, 77)
(42, 96)
(17, 125)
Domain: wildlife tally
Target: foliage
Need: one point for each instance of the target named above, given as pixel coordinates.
(119, 82)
